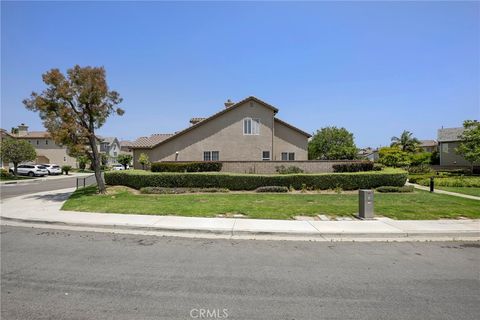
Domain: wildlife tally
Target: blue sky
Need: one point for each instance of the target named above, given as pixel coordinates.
(376, 68)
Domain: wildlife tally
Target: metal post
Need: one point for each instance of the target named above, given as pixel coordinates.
(432, 184)
(76, 180)
(84, 182)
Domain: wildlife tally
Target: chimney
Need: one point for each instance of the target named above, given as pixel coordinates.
(229, 103)
(22, 130)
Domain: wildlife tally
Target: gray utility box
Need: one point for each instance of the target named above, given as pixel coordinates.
(365, 204)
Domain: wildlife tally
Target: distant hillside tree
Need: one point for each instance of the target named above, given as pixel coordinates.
(73, 106)
(332, 143)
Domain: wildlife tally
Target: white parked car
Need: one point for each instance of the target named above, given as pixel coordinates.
(119, 167)
(53, 168)
(31, 170)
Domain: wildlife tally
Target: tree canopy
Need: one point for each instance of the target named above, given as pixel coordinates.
(125, 160)
(407, 142)
(332, 143)
(73, 106)
(469, 148)
(17, 151)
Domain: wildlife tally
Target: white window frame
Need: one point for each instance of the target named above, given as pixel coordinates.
(266, 158)
(215, 155)
(251, 126)
(207, 156)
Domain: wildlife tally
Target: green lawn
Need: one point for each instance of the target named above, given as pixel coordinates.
(472, 191)
(417, 205)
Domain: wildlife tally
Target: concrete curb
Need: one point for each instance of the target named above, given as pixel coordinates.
(40, 179)
(400, 236)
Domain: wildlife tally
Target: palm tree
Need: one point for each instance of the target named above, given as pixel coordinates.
(406, 141)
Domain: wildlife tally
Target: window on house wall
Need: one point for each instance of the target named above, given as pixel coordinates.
(445, 147)
(37, 142)
(115, 154)
(46, 141)
(207, 156)
(288, 156)
(251, 126)
(64, 158)
(211, 155)
(265, 155)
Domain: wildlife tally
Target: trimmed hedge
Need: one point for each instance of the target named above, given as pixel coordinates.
(353, 167)
(272, 189)
(186, 166)
(160, 190)
(391, 189)
(346, 181)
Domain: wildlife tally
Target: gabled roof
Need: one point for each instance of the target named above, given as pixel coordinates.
(108, 140)
(450, 134)
(126, 143)
(34, 135)
(216, 115)
(292, 127)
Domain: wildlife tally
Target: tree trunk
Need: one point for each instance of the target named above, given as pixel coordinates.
(15, 165)
(96, 165)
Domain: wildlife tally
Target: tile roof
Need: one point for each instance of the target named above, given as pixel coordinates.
(126, 143)
(428, 143)
(34, 134)
(449, 134)
(149, 142)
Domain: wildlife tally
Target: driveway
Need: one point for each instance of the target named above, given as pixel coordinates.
(38, 185)
(55, 274)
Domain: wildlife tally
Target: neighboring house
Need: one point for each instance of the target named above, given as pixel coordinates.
(111, 147)
(448, 141)
(368, 154)
(47, 150)
(126, 147)
(428, 145)
(244, 131)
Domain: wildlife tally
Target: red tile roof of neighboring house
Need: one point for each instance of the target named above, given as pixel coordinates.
(34, 135)
(428, 143)
(147, 142)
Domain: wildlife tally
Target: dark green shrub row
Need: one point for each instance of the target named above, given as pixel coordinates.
(272, 189)
(161, 190)
(186, 166)
(420, 169)
(378, 167)
(346, 181)
(390, 189)
(353, 167)
(288, 170)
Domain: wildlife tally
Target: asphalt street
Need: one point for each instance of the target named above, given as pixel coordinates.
(46, 184)
(53, 274)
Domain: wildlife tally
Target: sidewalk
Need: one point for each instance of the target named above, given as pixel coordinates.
(44, 208)
(456, 194)
(46, 178)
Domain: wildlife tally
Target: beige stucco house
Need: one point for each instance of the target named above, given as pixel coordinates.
(244, 131)
(47, 150)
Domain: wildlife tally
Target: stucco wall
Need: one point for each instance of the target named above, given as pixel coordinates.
(225, 134)
(46, 148)
(448, 155)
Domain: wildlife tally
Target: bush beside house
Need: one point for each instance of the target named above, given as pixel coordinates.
(208, 166)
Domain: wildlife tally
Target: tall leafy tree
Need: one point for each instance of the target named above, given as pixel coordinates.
(469, 148)
(332, 143)
(125, 160)
(73, 106)
(17, 151)
(407, 142)
(143, 160)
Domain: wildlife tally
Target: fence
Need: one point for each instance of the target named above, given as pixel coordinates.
(90, 180)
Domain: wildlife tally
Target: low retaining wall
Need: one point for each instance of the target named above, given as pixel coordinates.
(268, 167)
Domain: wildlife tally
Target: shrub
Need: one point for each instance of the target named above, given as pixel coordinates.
(353, 167)
(421, 158)
(4, 173)
(288, 170)
(393, 157)
(272, 189)
(160, 190)
(458, 181)
(66, 169)
(186, 166)
(378, 167)
(390, 189)
(346, 181)
(420, 169)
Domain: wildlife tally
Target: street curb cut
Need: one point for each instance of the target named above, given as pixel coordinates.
(404, 236)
